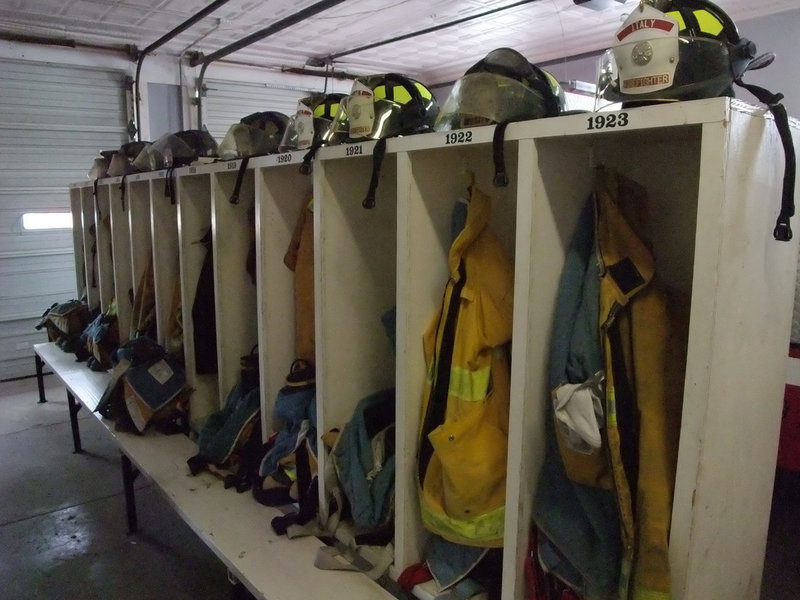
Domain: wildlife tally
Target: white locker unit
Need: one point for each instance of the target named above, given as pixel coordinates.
(712, 170)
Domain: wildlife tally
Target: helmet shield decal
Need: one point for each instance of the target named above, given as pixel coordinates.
(299, 132)
(484, 98)
(361, 108)
(646, 51)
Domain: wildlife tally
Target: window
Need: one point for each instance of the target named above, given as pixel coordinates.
(50, 220)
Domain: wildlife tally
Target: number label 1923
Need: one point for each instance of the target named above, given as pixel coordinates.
(354, 150)
(608, 121)
(458, 137)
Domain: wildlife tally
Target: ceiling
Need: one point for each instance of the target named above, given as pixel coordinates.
(542, 30)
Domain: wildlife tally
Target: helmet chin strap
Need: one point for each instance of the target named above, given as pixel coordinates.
(783, 230)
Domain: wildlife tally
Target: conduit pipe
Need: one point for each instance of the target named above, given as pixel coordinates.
(250, 39)
(157, 44)
(424, 31)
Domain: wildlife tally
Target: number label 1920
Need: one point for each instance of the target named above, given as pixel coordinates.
(354, 150)
(458, 137)
(609, 121)
(284, 158)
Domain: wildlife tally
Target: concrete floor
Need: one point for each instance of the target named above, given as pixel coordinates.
(63, 528)
(62, 515)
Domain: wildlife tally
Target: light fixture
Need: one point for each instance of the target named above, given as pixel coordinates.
(598, 4)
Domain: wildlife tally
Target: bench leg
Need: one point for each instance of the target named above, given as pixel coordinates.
(129, 475)
(74, 407)
(40, 377)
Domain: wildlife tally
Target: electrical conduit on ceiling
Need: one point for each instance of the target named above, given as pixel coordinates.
(259, 35)
(157, 44)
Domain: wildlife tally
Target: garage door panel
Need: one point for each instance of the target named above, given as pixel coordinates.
(54, 119)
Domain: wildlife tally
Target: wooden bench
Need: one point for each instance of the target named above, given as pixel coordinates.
(234, 526)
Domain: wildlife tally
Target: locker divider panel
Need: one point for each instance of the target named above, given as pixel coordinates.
(77, 241)
(194, 220)
(164, 223)
(736, 364)
(121, 244)
(234, 291)
(90, 247)
(105, 259)
(281, 193)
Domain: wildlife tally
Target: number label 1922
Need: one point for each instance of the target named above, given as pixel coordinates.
(458, 137)
(609, 121)
(354, 150)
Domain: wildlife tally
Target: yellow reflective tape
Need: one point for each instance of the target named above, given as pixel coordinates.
(679, 18)
(401, 94)
(708, 22)
(486, 529)
(424, 92)
(650, 595)
(611, 407)
(380, 91)
(319, 110)
(469, 386)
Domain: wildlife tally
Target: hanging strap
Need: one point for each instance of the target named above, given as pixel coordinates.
(500, 176)
(307, 167)
(783, 230)
(122, 192)
(169, 185)
(237, 187)
(377, 160)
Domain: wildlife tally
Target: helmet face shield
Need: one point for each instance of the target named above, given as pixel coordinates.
(122, 160)
(254, 135)
(176, 150)
(299, 133)
(163, 154)
(485, 98)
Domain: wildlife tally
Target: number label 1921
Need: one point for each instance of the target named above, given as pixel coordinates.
(609, 121)
(354, 150)
(458, 137)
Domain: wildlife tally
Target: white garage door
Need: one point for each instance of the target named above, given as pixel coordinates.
(226, 102)
(53, 121)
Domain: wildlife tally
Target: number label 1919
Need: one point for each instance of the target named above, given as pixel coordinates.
(458, 137)
(354, 150)
(609, 121)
